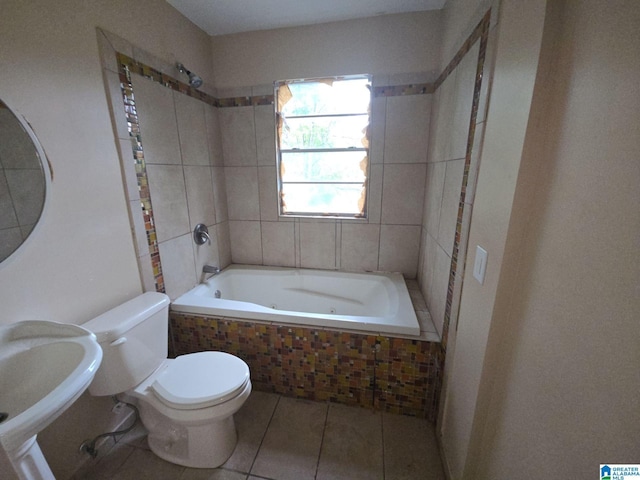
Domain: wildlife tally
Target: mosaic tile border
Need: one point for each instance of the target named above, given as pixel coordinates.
(400, 90)
(245, 101)
(395, 375)
(133, 66)
(133, 126)
(481, 32)
(147, 71)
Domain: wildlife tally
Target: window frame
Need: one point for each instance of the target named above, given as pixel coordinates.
(365, 149)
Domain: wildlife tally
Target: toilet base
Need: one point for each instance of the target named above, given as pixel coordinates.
(196, 446)
(202, 438)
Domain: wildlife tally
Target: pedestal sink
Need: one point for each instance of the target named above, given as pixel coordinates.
(44, 368)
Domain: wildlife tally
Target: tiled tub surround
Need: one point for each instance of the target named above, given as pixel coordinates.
(183, 139)
(396, 374)
(390, 236)
(171, 159)
(392, 374)
(398, 234)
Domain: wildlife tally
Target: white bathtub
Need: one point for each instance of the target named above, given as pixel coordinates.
(369, 302)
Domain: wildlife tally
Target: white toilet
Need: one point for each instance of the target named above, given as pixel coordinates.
(186, 404)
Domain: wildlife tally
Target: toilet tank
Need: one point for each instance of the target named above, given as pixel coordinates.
(134, 341)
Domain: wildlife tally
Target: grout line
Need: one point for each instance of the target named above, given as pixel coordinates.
(264, 435)
(324, 429)
(338, 246)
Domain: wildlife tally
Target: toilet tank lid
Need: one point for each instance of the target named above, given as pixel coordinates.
(114, 323)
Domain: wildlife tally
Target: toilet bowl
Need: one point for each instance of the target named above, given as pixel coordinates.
(187, 403)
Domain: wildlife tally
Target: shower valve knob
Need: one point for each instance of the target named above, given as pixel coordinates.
(201, 234)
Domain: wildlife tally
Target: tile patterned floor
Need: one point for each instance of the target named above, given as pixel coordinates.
(282, 438)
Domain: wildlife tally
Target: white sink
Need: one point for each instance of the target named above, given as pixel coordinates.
(44, 368)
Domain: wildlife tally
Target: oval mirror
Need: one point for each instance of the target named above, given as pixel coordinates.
(23, 181)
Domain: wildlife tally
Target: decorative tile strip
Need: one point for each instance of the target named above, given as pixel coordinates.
(481, 32)
(141, 169)
(140, 68)
(234, 102)
(151, 73)
(399, 90)
(394, 375)
(262, 100)
(466, 46)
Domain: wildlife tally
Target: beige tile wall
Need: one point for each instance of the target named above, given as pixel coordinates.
(183, 151)
(388, 240)
(217, 166)
(450, 116)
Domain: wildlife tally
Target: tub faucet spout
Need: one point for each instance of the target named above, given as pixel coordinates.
(210, 269)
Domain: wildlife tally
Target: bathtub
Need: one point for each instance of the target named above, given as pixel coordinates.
(366, 302)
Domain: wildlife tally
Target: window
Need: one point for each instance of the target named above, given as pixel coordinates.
(322, 146)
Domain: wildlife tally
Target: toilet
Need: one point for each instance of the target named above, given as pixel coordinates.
(187, 403)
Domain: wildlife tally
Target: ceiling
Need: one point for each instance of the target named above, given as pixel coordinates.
(221, 17)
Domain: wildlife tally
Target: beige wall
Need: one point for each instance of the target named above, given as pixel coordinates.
(81, 260)
(378, 45)
(546, 349)
(518, 42)
(566, 396)
(55, 81)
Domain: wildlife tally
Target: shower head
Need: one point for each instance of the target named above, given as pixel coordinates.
(194, 80)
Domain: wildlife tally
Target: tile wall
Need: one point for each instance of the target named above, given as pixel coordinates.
(171, 158)
(387, 240)
(453, 161)
(229, 136)
(186, 179)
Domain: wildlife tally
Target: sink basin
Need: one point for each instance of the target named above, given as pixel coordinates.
(44, 368)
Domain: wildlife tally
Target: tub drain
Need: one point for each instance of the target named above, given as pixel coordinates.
(3, 416)
(332, 310)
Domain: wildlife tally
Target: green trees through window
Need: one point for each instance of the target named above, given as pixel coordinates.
(322, 127)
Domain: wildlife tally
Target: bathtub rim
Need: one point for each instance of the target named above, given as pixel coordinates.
(197, 305)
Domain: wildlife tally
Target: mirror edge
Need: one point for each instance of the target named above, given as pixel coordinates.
(47, 171)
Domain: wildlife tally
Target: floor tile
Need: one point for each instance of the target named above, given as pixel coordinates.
(291, 446)
(211, 474)
(251, 423)
(410, 449)
(105, 466)
(352, 445)
(144, 464)
(291, 439)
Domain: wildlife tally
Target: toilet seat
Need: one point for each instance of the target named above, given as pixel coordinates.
(200, 380)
